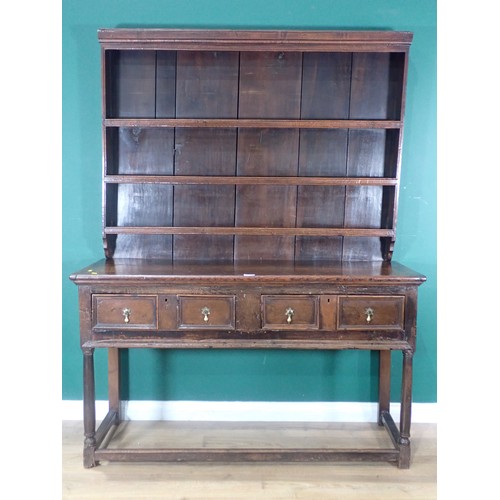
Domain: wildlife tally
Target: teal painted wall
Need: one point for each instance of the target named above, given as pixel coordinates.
(246, 375)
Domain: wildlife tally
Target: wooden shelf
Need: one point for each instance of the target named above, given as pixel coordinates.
(249, 180)
(253, 231)
(251, 123)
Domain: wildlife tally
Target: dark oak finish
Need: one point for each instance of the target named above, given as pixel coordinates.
(250, 188)
(206, 312)
(294, 312)
(380, 312)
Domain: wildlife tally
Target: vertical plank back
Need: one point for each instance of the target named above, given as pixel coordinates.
(207, 87)
(325, 95)
(366, 152)
(144, 151)
(270, 86)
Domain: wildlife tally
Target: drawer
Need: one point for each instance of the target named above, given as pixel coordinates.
(206, 312)
(290, 312)
(124, 312)
(370, 312)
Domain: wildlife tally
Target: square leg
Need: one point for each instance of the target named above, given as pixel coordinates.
(384, 387)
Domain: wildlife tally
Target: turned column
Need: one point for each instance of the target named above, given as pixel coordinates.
(89, 408)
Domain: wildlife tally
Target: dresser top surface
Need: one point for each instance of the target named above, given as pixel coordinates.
(157, 270)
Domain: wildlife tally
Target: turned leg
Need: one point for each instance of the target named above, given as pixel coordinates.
(89, 408)
(405, 419)
(114, 381)
(384, 384)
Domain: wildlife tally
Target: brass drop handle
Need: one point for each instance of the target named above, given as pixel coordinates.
(369, 314)
(126, 314)
(206, 312)
(289, 314)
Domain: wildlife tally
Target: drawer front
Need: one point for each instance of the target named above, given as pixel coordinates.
(206, 312)
(124, 312)
(370, 312)
(290, 312)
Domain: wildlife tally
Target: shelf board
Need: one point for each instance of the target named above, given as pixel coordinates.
(250, 123)
(250, 180)
(252, 231)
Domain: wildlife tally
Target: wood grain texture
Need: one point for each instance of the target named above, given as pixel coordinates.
(282, 40)
(261, 152)
(131, 84)
(251, 123)
(149, 151)
(157, 271)
(207, 86)
(204, 152)
(270, 85)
